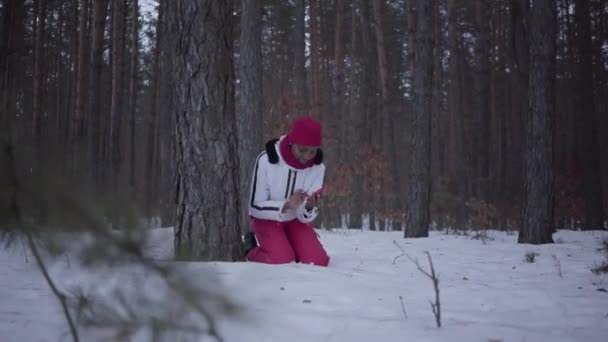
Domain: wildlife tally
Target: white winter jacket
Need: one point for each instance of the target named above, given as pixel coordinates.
(274, 181)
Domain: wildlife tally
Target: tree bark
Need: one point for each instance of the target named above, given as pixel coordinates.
(206, 158)
(417, 215)
(537, 217)
(251, 97)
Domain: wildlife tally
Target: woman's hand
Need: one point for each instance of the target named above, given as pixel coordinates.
(312, 202)
(295, 200)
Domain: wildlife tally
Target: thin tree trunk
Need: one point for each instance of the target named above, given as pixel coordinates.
(572, 155)
(11, 45)
(453, 93)
(100, 10)
(153, 137)
(481, 98)
(438, 120)
(355, 124)
(418, 198)
(366, 130)
(59, 91)
(299, 61)
(315, 57)
(537, 218)
(338, 79)
(519, 98)
(587, 121)
(38, 93)
(388, 123)
(133, 92)
(116, 111)
(77, 131)
(457, 150)
(380, 49)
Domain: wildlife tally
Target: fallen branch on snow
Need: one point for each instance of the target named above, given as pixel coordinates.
(436, 306)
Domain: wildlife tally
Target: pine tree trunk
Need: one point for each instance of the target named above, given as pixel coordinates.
(114, 159)
(165, 144)
(12, 37)
(438, 121)
(251, 97)
(133, 90)
(417, 215)
(481, 98)
(537, 218)
(208, 183)
(100, 10)
(152, 169)
(299, 61)
(315, 58)
(77, 128)
(456, 149)
(58, 93)
(338, 81)
(602, 105)
(587, 121)
(355, 124)
(388, 142)
(572, 158)
(38, 93)
(368, 198)
(515, 129)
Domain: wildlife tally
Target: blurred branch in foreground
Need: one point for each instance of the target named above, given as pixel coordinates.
(113, 288)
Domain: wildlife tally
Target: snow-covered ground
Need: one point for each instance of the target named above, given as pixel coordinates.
(488, 291)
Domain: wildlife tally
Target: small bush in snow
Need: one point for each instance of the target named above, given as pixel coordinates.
(531, 256)
(558, 265)
(603, 268)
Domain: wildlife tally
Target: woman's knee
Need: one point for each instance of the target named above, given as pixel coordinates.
(283, 256)
(319, 259)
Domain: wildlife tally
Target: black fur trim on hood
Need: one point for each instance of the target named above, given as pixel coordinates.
(273, 157)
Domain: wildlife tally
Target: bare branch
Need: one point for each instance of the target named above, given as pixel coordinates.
(131, 249)
(16, 212)
(436, 306)
(403, 307)
(126, 246)
(62, 297)
(402, 250)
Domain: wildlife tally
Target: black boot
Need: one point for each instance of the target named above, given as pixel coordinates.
(249, 241)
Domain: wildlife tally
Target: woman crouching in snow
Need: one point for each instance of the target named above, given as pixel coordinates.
(286, 184)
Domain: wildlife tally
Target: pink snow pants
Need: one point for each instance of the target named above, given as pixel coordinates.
(285, 242)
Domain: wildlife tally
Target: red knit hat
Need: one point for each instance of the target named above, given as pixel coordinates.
(306, 131)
